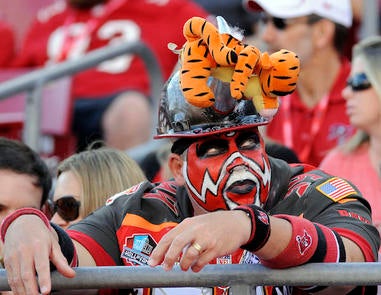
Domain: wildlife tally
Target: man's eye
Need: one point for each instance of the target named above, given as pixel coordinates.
(249, 143)
(211, 148)
(213, 151)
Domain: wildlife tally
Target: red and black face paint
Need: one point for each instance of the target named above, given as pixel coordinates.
(228, 170)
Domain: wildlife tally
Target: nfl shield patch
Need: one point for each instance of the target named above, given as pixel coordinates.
(336, 189)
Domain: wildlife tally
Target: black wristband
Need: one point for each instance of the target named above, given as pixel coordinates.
(66, 244)
(260, 227)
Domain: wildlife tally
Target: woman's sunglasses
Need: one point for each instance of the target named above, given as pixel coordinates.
(67, 208)
(358, 82)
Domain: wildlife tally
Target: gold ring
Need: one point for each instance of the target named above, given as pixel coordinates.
(197, 247)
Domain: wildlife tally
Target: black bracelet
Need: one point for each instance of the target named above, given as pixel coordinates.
(66, 244)
(260, 227)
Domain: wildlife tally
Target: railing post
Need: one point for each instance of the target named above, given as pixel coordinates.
(32, 123)
(242, 290)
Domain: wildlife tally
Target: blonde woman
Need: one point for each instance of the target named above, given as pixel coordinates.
(359, 159)
(85, 181)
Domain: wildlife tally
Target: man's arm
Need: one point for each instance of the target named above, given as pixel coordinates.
(223, 232)
(219, 233)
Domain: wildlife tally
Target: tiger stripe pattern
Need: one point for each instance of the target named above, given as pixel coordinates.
(206, 49)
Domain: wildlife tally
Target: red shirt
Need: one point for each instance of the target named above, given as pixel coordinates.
(357, 168)
(7, 48)
(314, 131)
(59, 32)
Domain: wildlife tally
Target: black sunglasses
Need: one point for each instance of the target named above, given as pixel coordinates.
(277, 22)
(67, 208)
(281, 23)
(359, 82)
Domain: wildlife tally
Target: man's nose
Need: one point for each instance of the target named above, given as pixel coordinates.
(237, 165)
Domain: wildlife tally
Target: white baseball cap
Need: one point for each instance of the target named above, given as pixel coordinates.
(338, 11)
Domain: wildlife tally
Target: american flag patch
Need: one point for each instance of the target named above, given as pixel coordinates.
(336, 189)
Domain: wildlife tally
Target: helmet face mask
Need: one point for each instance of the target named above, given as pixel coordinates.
(178, 118)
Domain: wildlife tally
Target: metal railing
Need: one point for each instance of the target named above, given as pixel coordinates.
(33, 83)
(240, 277)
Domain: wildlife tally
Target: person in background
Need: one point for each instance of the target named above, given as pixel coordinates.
(25, 180)
(312, 120)
(359, 159)
(69, 29)
(8, 46)
(85, 180)
(276, 214)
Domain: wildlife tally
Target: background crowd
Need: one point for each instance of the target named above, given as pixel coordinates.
(331, 121)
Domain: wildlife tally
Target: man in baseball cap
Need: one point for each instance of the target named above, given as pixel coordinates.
(312, 120)
(339, 12)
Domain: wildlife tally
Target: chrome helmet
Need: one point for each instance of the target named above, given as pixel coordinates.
(177, 118)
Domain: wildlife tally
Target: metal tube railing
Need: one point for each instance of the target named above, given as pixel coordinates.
(35, 80)
(238, 276)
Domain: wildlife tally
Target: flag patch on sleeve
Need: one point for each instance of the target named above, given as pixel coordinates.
(336, 189)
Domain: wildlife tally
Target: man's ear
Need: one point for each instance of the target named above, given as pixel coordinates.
(175, 163)
(324, 32)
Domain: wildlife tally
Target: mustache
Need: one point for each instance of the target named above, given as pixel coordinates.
(240, 176)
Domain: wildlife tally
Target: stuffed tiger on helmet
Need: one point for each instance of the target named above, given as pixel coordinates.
(252, 74)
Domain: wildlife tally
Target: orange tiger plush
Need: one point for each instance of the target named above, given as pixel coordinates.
(206, 49)
(208, 52)
(199, 56)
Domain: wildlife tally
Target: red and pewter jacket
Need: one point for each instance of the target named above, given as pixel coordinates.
(127, 229)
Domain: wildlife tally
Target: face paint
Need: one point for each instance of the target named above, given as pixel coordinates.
(228, 170)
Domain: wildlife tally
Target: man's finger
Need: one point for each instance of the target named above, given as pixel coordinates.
(13, 276)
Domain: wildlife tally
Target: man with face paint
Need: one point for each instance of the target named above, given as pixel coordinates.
(228, 202)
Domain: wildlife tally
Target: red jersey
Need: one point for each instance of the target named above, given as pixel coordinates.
(60, 33)
(7, 49)
(311, 133)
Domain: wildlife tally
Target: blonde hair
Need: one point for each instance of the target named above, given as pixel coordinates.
(102, 172)
(369, 51)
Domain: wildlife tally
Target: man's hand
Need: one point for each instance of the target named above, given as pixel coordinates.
(28, 248)
(198, 240)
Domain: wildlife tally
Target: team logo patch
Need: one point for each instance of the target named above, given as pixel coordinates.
(262, 216)
(127, 192)
(227, 259)
(336, 189)
(304, 242)
(133, 189)
(137, 249)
